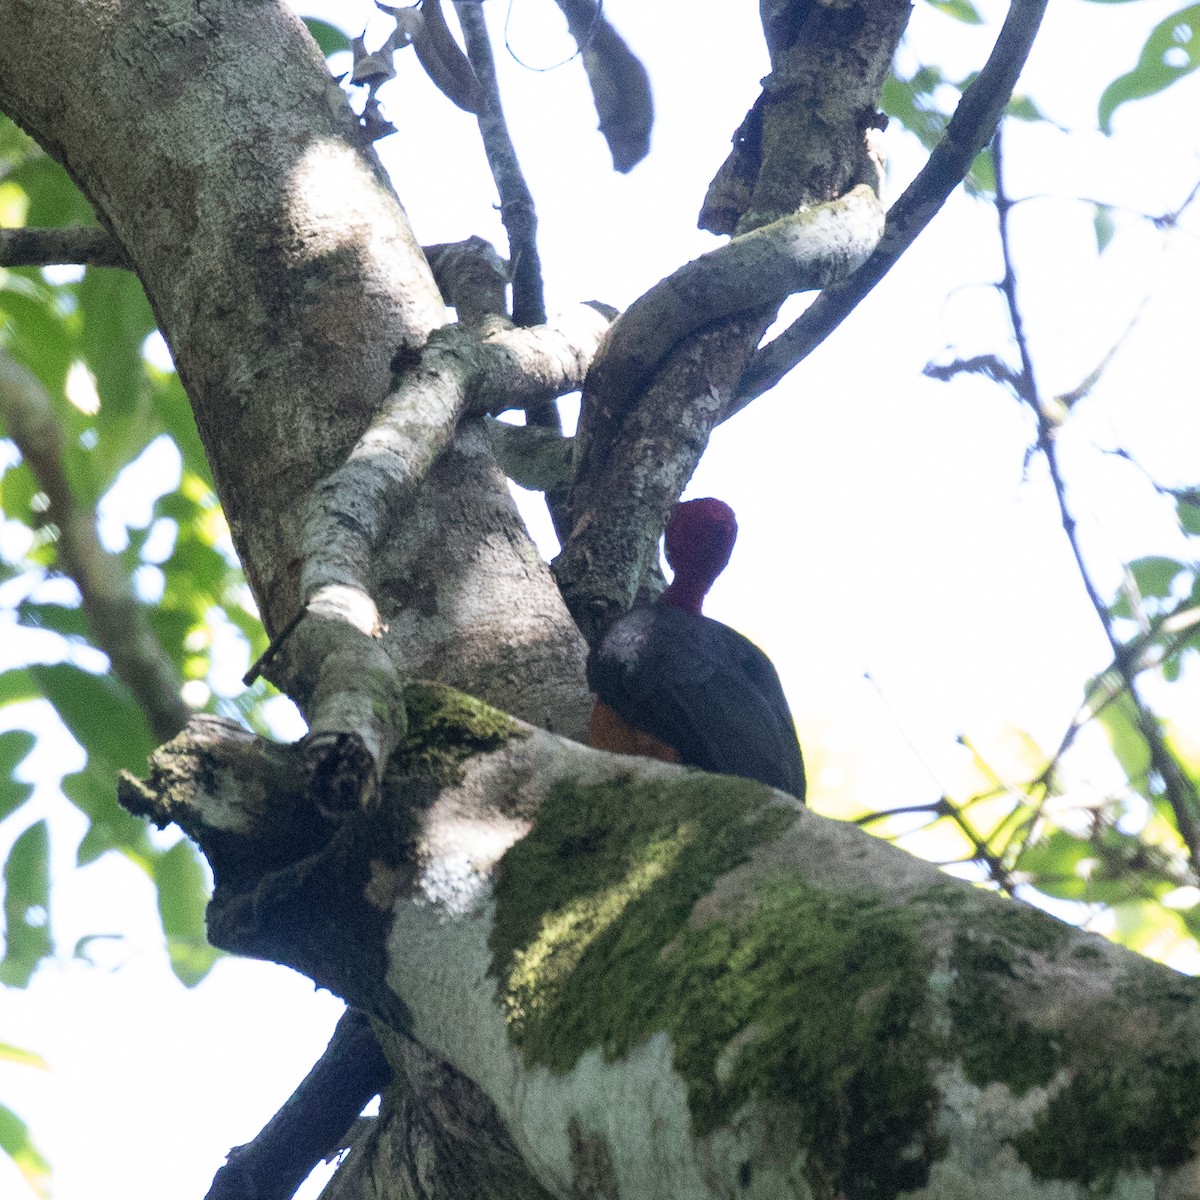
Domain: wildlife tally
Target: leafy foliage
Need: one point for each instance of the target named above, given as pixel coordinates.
(1171, 51)
(126, 430)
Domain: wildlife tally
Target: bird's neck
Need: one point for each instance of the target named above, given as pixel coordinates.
(687, 594)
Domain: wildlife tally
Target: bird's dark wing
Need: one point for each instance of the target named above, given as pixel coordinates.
(702, 688)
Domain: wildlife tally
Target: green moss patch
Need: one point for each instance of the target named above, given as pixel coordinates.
(445, 728)
(1133, 1103)
(794, 996)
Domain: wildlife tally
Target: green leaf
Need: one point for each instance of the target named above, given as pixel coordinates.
(960, 10)
(1187, 505)
(1022, 108)
(1155, 574)
(94, 792)
(53, 198)
(1171, 51)
(981, 179)
(1102, 222)
(100, 713)
(15, 746)
(182, 899)
(40, 335)
(18, 685)
(18, 487)
(910, 101)
(174, 410)
(329, 37)
(70, 622)
(18, 1145)
(116, 321)
(26, 906)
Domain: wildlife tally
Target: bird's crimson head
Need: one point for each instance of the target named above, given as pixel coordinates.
(699, 541)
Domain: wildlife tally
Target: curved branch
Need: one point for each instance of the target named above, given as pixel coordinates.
(690, 335)
(970, 129)
(117, 620)
(801, 252)
(355, 711)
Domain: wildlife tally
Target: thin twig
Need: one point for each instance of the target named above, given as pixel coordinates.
(1180, 790)
(516, 201)
(73, 245)
(520, 221)
(969, 130)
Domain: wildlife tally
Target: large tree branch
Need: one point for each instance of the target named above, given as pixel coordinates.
(786, 1002)
(280, 268)
(970, 129)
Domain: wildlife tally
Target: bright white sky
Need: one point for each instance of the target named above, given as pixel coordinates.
(887, 525)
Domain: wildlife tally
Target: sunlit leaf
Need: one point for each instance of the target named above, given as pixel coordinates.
(1119, 721)
(116, 321)
(1171, 51)
(18, 685)
(960, 10)
(21, 1057)
(910, 101)
(1149, 928)
(1022, 108)
(981, 179)
(53, 199)
(18, 1145)
(26, 906)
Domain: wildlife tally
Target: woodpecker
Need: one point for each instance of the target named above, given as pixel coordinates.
(676, 685)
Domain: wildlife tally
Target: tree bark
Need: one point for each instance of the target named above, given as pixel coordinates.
(665, 983)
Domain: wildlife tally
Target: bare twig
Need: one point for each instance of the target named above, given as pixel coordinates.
(117, 620)
(516, 201)
(1180, 791)
(973, 123)
(520, 221)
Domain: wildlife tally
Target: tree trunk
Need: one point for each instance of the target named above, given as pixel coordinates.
(593, 976)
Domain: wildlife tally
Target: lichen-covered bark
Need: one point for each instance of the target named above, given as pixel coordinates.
(691, 986)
